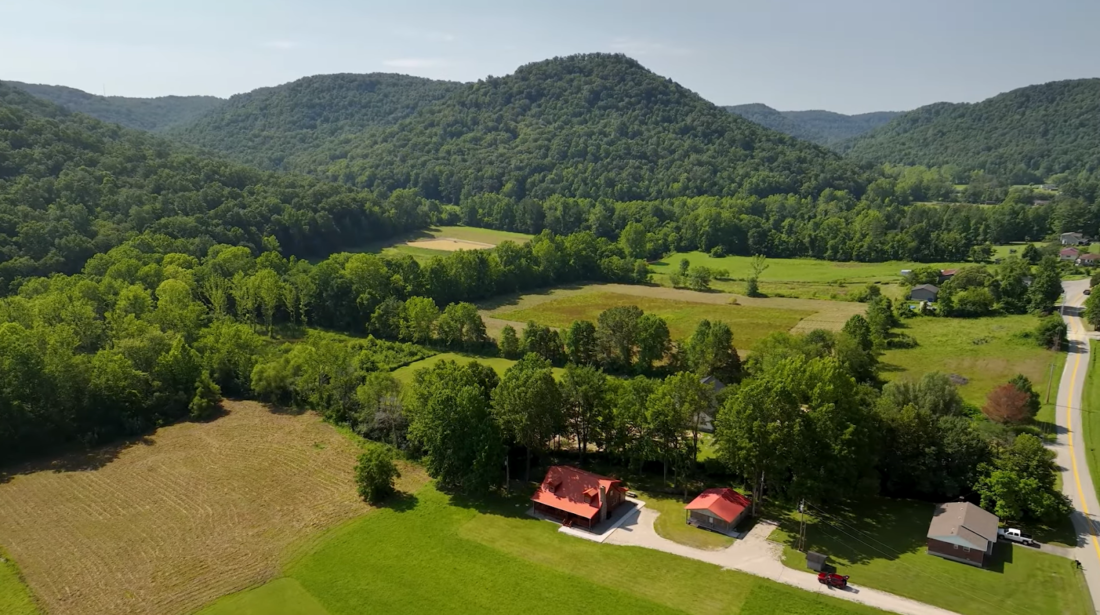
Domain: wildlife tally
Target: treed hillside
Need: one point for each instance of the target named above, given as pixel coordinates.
(595, 126)
(152, 114)
(822, 127)
(72, 186)
(268, 127)
(1024, 135)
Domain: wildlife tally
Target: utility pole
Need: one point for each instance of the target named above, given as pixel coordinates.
(802, 525)
(1050, 379)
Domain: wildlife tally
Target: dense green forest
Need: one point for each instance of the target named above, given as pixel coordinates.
(1024, 136)
(592, 126)
(72, 186)
(822, 127)
(270, 127)
(151, 114)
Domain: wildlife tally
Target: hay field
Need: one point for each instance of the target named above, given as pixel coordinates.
(166, 524)
(447, 244)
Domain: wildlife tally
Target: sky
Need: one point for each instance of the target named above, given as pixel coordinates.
(850, 56)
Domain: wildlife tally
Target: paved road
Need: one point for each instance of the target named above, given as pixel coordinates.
(1070, 447)
(756, 555)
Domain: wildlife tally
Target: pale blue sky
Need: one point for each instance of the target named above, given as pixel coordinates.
(844, 55)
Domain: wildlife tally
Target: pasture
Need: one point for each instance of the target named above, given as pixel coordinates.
(167, 523)
(499, 364)
(750, 319)
(440, 240)
(428, 553)
(881, 543)
(986, 351)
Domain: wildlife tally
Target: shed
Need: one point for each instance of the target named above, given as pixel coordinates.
(924, 292)
(962, 532)
(719, 509)
(816, 561)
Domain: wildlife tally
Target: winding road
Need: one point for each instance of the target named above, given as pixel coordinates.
(1070, 446)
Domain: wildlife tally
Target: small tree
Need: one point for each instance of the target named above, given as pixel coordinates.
(375, 474)
(752, 288)
(1023, 385)
(1007, 404)
(509, 342)
(1051, 332)
(207, 394)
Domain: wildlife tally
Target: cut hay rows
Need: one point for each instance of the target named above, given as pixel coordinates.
(174, 521)
(446, 244)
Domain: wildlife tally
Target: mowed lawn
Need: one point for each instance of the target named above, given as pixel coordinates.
(430, 554)
(15, 597)
(672, 524)
(986, 351)
(1090, 413)
(500, 365)
(749, 323)
(882, 544)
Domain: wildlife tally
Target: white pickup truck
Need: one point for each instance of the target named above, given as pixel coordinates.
(1015, 535)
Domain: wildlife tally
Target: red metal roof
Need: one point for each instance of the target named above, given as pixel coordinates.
(722, 502)
(1068, 251)
(574, 491)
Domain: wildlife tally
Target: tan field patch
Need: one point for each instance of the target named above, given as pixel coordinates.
(444, 244)
(166, 524)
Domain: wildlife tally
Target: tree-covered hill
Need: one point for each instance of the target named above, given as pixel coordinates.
(822, 127)
(72, 186)
(151, 114)
(596, 126)
(1024, 135)
(268, 127)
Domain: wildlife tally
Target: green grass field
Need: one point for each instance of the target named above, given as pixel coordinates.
(15, 597)
(882, 545)
(405, 374)
(799, 269)
(394, 245)
(749, 324)
(986, 351)
(433, 555)
(1090, 413)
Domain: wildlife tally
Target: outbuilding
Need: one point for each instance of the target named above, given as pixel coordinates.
(924, 292)
(1074, 239)
(719, 509)
(962, 532)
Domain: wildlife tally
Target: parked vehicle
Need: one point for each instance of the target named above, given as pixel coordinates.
(1015, 535)
(1088, 291)
(833, 580)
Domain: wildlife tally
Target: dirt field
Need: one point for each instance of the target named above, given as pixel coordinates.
(446, 244)
(167, 524)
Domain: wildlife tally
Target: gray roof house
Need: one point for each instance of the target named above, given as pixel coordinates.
(924, 292)
(1073, 239)
(962, 532)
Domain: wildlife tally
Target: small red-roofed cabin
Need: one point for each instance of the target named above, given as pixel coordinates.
(719, 509)
(578, 497)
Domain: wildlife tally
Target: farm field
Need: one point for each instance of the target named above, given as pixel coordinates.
(882, 544)
(405, 374)
(986, 351)
(799, 269)
(432, 554)
(750, 319)
(439, 240)
(167, 523)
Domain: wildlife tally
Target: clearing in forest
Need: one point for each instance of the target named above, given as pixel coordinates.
(167, 523)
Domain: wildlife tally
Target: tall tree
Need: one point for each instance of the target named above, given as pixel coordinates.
(528, 405)
(710, 352)
(584, 394)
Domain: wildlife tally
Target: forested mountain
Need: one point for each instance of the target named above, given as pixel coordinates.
(596, 126)
(268, 127)
(822, 127)
(1024, 135)
(152, 114)
(72, 186)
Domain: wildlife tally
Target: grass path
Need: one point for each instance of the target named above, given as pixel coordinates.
(15, 596)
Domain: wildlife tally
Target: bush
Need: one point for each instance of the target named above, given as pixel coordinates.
(752, 288)
(901, 341)
(207, 395)
(375, 474)
(1051, 332)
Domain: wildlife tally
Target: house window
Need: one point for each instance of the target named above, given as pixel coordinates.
(966, 549)
(955, 546)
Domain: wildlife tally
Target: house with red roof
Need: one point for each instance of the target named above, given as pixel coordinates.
(578, 497)
(719, 509)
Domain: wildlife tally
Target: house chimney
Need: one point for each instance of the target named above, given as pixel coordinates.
(603, 503)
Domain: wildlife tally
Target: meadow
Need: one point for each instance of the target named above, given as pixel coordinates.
(881, 543)
(1090, 414)
(169, 522)
(408, 243)
(499, 364)
(429, 553)
(15, 596)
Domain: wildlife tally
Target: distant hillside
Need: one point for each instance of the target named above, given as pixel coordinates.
(269, 127)
(822, 127)
(1025, 135)
(594, 126)
(151, 114)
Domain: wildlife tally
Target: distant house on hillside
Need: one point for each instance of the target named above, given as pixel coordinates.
(718, 509)
(947, 274)
(578, 497)
(1068, 254)
(706, 417)
(1088, 260)
(1038, 202)
(1074, 239)
(924, 292)
(962, 532)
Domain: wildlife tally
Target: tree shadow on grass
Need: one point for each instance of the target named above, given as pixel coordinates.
(889, 367)
(857, 533)
(510, 504)
(401, 502)
(512, 300)
(76, 461)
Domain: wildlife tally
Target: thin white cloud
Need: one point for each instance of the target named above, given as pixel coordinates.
(416, 63)
(434, 36)
(640, 47)
(282, 44)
